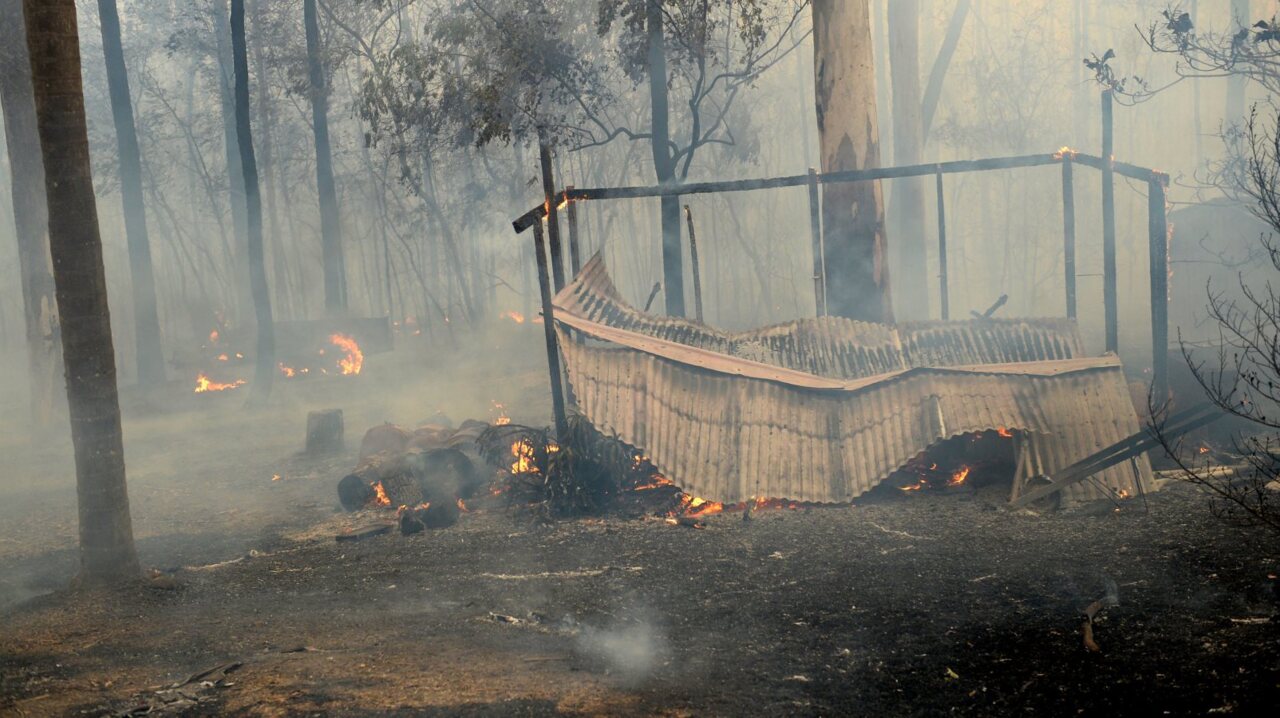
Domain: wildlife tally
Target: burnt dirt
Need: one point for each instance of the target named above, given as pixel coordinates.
(918, 606)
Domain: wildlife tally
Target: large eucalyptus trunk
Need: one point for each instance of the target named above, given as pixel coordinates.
(335, 275)
(146, 317)
(664, 164)
(107, 552)
(907, 206)
(30, 214)
(265, 359)
(849, 136)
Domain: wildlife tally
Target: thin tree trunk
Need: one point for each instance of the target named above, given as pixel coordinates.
(146, 317)
(672, 252)
(266, 159)
(107, 552)
(1237, 104)
(30, 214)
(265, 361)
(235, 168)
(848, 128)
(335, 279)
(941, 64)
(908, 198)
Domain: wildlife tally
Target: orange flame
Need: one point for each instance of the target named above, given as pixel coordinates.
(213, 337)
(523, 453)
(514, 316)
(919, 485)
(288, 371)
(380, 495)
(205, 384)
(959, 477)
(354, 360)
(223, 357)
(1065, 153)
(1003, 432)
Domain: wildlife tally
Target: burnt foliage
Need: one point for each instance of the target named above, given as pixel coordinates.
(582, 473)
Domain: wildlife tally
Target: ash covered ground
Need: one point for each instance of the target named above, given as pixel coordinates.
(911, 605)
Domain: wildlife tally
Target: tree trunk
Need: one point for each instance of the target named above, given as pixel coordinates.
(335, 275)
(30, 214)
(265, 361)
(106, 532)
(848, 129)
(266, 158)
(235, 170)
(146, 317)
(672, 252)
(1237, 105)
(908, 135)
(942, 63)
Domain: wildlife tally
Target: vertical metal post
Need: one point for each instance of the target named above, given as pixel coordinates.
(1158, 228)
(943, 288)
(1109, 290)
(819, 260)
(575, 253)
(1069, 232)
(693, 258)
(549, 332)
(553, 213)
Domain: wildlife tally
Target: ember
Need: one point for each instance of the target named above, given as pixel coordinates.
(205, 384)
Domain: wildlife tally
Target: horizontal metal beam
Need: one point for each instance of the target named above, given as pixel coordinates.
(536, 214)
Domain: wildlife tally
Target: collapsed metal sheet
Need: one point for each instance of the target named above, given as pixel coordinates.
(824, 410)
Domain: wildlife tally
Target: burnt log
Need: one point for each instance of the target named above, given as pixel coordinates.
(324, 431)
(384, 439)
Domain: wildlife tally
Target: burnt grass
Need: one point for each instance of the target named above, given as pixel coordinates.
(921, 605)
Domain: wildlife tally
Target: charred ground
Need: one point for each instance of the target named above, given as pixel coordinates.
(903, 606)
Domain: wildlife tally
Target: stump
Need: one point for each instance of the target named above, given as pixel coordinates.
(324, 431)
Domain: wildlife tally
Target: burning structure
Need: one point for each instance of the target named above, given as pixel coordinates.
(822, 410)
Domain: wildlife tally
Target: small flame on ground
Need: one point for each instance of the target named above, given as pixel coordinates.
(276, 477)
(380, 494)
(205, 384)
(1202, 450)
(513, 315)
(1004, 433)
(919, 485)
(288, 371)
(213, 337)
(223, 357)
(959, 477)
(354, 360)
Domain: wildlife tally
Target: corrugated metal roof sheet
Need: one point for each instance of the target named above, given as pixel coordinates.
(823, 410)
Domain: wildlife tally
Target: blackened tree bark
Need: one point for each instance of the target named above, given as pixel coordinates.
(672, 254)
(265, 361)
(907, 207)
(146, 318)
(30, 213)
(107, 551)
(335, 275)
(231, 144)
(849, 136)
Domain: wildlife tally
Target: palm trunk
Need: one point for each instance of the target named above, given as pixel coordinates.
(107, 550)
(265, 362)
(149, 354)
(672, 252)
(908, 199)
(335, 279)
(30, 214)
(848, 128)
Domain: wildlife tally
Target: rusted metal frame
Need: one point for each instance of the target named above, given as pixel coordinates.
(819, 247)
(526, 220)
(944, 292)
(693, 258)
(1110, 290)
(551, 207)
(549, 331)
(1069, 233)
(1158, 236)
(575, 251)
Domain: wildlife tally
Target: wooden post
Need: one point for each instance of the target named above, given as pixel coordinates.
(1109, 225)
(693, 259)
(819, 260)
(1158, 227)
(549, 332)
(943, 289)
(575, 252)
(1069, 231)
(553, 214)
